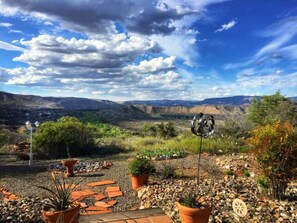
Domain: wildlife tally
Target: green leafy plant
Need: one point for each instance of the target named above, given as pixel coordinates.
(60, 193)
(246, 173)
(141, 166)
(263, 182)
(162, 153)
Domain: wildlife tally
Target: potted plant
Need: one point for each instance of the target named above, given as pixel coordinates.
(193, 209)
(60, 207)
(140, 168)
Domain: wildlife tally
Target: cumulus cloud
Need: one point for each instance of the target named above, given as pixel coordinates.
(57, 51)
(150, 66)
(100, 67)
(226, 26)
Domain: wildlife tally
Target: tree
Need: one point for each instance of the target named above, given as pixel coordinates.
(275, 148)
(271, 108)
(65, 138)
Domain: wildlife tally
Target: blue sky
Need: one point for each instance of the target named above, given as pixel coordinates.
(144, 49)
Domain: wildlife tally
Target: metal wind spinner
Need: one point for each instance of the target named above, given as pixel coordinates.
(203, 125)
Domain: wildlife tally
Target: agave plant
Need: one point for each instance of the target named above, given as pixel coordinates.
(60, 193)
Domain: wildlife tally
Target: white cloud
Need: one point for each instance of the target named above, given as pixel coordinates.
(227, 26)
(281, 33)
(48, 23)
(5, 24)
(150, 66)
(10, 47)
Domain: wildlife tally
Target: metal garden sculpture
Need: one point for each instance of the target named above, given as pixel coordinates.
(203, 127)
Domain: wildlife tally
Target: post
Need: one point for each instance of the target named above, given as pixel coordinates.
(31, 152)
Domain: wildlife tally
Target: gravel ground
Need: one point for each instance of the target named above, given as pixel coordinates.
(20, 179)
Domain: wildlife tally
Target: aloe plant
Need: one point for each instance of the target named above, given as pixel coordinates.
(60, 193)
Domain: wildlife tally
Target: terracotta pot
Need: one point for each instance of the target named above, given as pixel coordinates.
(139, 181)
(69, 167)
(193, 215)
(68, 216)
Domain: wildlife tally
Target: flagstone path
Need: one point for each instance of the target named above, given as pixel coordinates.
(103, 202)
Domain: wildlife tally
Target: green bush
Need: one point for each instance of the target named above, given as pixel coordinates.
(67, 137)
(141, 166)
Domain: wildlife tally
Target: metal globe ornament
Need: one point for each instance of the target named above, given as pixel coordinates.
(203, 125)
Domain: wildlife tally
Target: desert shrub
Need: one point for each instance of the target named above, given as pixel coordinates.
(65, 138)
(9, 137)
(148, 130)
(100, 128)
(166, 130)
(167, 171)
(275, 148)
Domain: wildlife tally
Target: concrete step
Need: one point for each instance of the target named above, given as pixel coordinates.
(150, 215)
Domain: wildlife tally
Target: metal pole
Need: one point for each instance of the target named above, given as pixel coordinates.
(31, 153)
(199, 158)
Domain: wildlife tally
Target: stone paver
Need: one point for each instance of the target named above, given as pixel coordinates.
(152, 215)
(80, 194)
(112, 203)
(101, 183)
(88, 213)
(102, 204)
(96, 208)
(111, 189)
(115, 193)
(99, 197)
(159, 219)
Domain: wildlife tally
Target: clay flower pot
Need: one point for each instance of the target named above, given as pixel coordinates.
(69, 167)
(139, 181)
(68, 216)
(193, 215)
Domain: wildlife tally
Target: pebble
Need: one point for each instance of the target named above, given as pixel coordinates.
(79, 167)
(167, 193)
